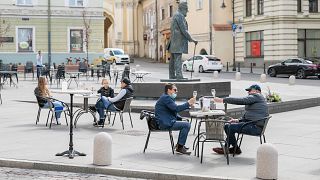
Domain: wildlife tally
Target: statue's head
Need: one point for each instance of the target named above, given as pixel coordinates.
(183, 8)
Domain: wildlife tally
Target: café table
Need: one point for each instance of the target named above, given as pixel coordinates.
(206, 115)
(139, 75)
(5, 74)
(85, 108)
(71, 152)
(74, 76)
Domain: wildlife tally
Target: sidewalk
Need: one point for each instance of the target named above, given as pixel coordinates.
(295, 134)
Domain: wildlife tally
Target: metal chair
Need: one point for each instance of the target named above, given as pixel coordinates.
(50, 108)
(214, 132)
(127, 109)
(264, 121)
(29, 69)
(153, 127)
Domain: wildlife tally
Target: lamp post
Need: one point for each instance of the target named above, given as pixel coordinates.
(223, 5)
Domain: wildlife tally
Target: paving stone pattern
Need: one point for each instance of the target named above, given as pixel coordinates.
(26, 174)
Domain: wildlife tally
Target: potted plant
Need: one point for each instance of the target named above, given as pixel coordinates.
(272, 96)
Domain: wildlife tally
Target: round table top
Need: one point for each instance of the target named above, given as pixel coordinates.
(207, 113)
(71, 91)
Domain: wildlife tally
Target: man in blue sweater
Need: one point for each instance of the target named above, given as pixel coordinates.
(255, 108)
(166, 114)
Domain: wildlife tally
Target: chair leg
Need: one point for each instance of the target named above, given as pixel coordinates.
(51, 120)
(202, 152)
(241, 140)
(264, 138)
(121, 119)
(147, 141)
(38, 116)
(65, 115)
(225, 150)
(115, 114)
(48, 117)
(130, 119)
(172, 142)
(235, 148)
(260, 140)
(195, 126)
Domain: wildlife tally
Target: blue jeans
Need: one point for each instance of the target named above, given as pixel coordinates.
(58, 105)
(184, 128)
(235, 128)
(107, 105)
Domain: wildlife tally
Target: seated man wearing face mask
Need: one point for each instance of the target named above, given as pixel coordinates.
(166, 114)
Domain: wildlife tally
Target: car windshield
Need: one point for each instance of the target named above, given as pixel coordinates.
(308, 62)
(214, 59)
(117, 52)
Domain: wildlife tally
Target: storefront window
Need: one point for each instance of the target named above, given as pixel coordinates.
(254, 44)
(309, 43)
(24, 2)
(25, 40)
(76, 40)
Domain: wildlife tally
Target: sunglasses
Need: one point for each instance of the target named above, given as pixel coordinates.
(175, 90)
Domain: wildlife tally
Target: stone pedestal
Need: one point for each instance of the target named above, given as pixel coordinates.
(102, 149)
(267, 162)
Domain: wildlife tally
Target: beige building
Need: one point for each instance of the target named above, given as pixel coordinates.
(202, 21)
(276, 30)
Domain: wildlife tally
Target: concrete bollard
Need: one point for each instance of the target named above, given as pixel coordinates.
(215, 74)
(238, 76)
(267, 162)
(263, 78)
(102, 149)
(292, 80)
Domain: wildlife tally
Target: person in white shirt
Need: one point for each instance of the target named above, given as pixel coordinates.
(39, 64)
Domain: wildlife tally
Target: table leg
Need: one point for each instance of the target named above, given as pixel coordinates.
(71, 152)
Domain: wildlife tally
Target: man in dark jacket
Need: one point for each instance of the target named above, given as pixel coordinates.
(116, 103)
(166, 114)
(255, 108)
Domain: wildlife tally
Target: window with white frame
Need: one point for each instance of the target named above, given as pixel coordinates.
(24, 2)
(76, 3)
(199, 4)
(260, 7)
(76, 40)
(162, 14)
(25, 39)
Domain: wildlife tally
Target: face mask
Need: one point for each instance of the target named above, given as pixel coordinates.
(173, 96)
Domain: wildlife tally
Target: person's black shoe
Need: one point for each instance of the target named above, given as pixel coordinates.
(183, 146)
(238, 151)
(93, 109)
(182, 150)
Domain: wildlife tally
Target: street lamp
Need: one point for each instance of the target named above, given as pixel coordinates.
(223, 5)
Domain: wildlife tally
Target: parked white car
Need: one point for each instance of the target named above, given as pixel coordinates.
(203, 63)
(116, 55)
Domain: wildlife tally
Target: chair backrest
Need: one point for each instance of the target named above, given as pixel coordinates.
(151, 120)
(265, 124)
(127, 104)
(215, 130)
(41, 100)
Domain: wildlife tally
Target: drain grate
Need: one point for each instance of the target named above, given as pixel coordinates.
(133, 133)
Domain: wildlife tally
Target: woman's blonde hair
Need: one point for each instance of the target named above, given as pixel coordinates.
(44, 91)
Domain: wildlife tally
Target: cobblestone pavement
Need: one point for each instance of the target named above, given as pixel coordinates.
(27, 174)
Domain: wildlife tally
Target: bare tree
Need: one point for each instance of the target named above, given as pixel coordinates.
(87, 30)
(4, 28)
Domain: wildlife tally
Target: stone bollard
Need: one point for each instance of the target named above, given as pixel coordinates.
(238, 76)
(292, 80)
(267, 162)
(102, 149)
(263, 78)
(215, 74)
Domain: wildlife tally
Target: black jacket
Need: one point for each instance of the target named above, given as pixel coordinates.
(129, 93)
(41, 101)
(106, 92)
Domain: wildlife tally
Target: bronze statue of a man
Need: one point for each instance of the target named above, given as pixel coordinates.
(178, 43)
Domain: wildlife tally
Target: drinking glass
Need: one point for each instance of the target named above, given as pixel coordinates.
(195, 94)
(213, 92)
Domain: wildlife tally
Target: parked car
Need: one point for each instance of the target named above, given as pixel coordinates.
(299, 67)
(116, 55)
(203, 63)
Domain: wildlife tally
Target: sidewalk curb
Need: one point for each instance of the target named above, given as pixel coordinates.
(91, 169)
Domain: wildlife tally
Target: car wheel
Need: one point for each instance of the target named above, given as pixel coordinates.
(184, 68)
(272, 72)
(219, 71)
(301, 74)
(201, 70)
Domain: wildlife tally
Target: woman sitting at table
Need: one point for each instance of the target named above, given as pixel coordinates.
(105, 91)
(43, 91)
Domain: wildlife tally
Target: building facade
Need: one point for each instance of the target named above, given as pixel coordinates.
(276, 30)
(30, 26)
